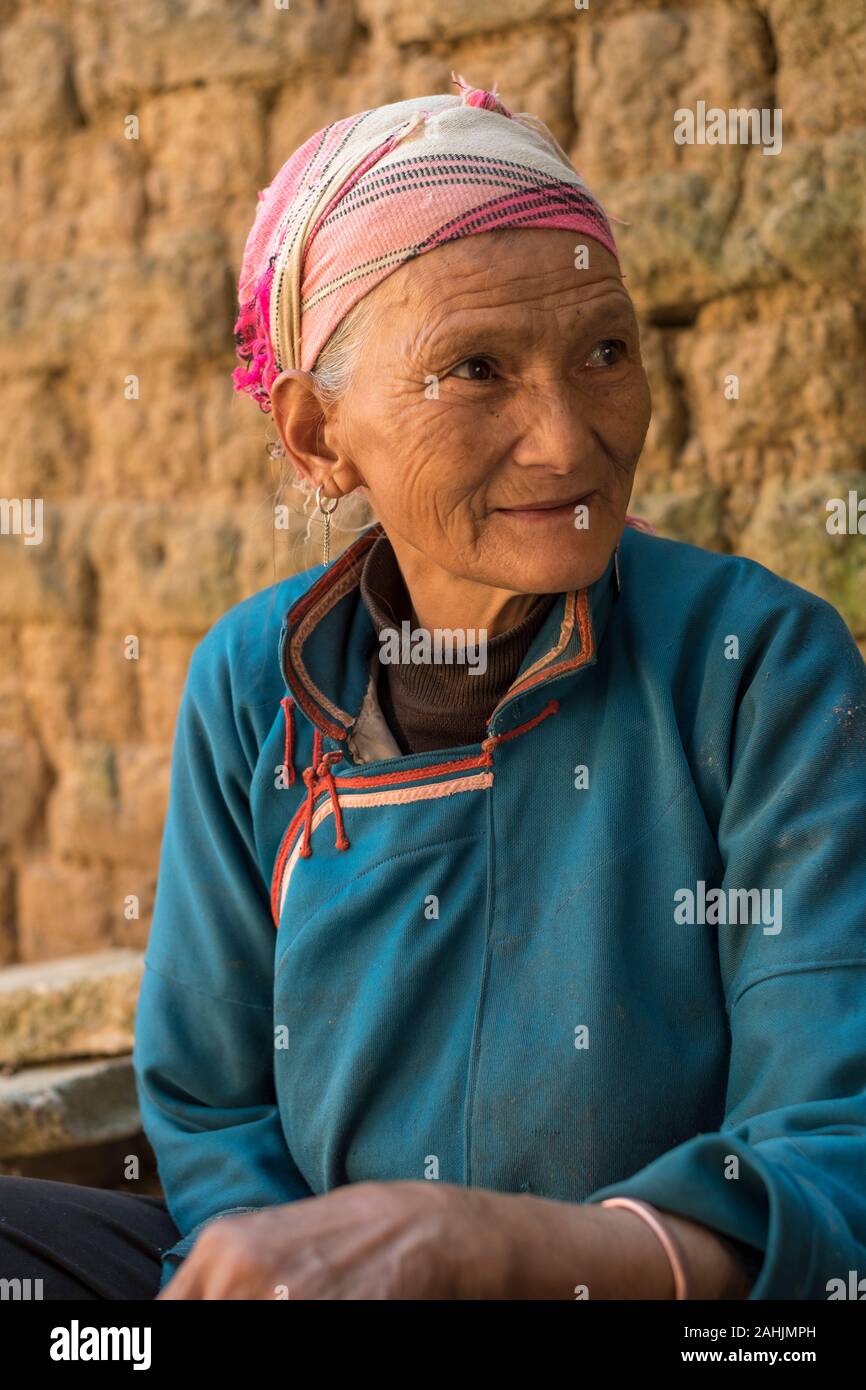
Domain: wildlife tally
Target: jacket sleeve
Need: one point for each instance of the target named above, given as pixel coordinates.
(786, 1172)
(204, 1035)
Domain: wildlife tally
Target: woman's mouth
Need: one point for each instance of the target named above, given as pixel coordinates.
(548, 513)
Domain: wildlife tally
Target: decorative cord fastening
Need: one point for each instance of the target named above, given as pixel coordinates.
(493, 740)
(317, 775)
(324, 771)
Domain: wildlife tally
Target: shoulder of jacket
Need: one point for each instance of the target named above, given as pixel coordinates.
(682, 577)
(240, 650)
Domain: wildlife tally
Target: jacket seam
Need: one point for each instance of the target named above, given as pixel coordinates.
(776, 1216)
(391, 859)
(197, 989)
(606, 860)
(799, 968)
(475, 1044)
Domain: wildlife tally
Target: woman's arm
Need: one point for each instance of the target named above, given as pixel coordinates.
(564, 1250)
(786, 1172)
(204, 1028)
(431, 1240)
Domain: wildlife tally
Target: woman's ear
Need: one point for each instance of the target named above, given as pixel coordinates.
(306, 430)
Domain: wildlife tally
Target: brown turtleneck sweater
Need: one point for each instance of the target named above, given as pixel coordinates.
(437, 705)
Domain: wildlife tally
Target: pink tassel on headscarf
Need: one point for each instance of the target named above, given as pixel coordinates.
(477, 96)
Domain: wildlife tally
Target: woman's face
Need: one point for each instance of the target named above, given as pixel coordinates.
(498, 413)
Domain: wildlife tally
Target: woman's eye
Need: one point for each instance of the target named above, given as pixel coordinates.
(473, 369)
(608, 353)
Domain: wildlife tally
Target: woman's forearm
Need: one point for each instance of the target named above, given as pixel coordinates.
(569, 1250)
(713, 1267)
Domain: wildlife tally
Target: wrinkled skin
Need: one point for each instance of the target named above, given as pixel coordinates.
(362, 1241)
(542, 397)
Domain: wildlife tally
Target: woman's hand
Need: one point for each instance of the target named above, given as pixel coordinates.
(367, 1240)
(426, 1240)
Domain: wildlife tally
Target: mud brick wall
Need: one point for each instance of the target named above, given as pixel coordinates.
(122, 239)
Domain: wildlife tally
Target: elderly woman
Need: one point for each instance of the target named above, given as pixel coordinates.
(537, 971)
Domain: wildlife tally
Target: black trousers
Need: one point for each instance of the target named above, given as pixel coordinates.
(82, 1242)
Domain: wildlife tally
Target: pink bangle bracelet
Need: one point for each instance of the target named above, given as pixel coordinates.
(672, 1247)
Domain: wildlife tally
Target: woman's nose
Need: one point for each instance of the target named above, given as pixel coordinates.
(555, 429)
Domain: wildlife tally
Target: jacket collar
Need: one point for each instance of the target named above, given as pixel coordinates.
(327, 639)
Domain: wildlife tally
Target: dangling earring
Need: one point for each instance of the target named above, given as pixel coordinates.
(325, 513)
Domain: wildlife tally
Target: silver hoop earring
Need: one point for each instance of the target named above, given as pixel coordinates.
(325, 513)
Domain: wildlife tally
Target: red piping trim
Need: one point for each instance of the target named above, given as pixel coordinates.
(316, 718)
(587, 647)
(492, 740)
(288, 705)
(299, 610)
(332, 574)
(310, 775)
(283, 854)
(344, 562)
(319, 778)
(316, 784)
(417, 774)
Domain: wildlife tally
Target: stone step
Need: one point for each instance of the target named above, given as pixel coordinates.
(80, 1006)
(45, 1109)
(92, 1165)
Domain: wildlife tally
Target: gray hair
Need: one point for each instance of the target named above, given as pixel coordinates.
(332, 374)
(339, 357)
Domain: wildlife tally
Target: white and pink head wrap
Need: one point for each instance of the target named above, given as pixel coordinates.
(366, 194)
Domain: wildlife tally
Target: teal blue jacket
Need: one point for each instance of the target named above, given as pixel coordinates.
(617, 948)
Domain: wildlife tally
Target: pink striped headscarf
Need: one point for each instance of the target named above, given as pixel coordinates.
(370, 192)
